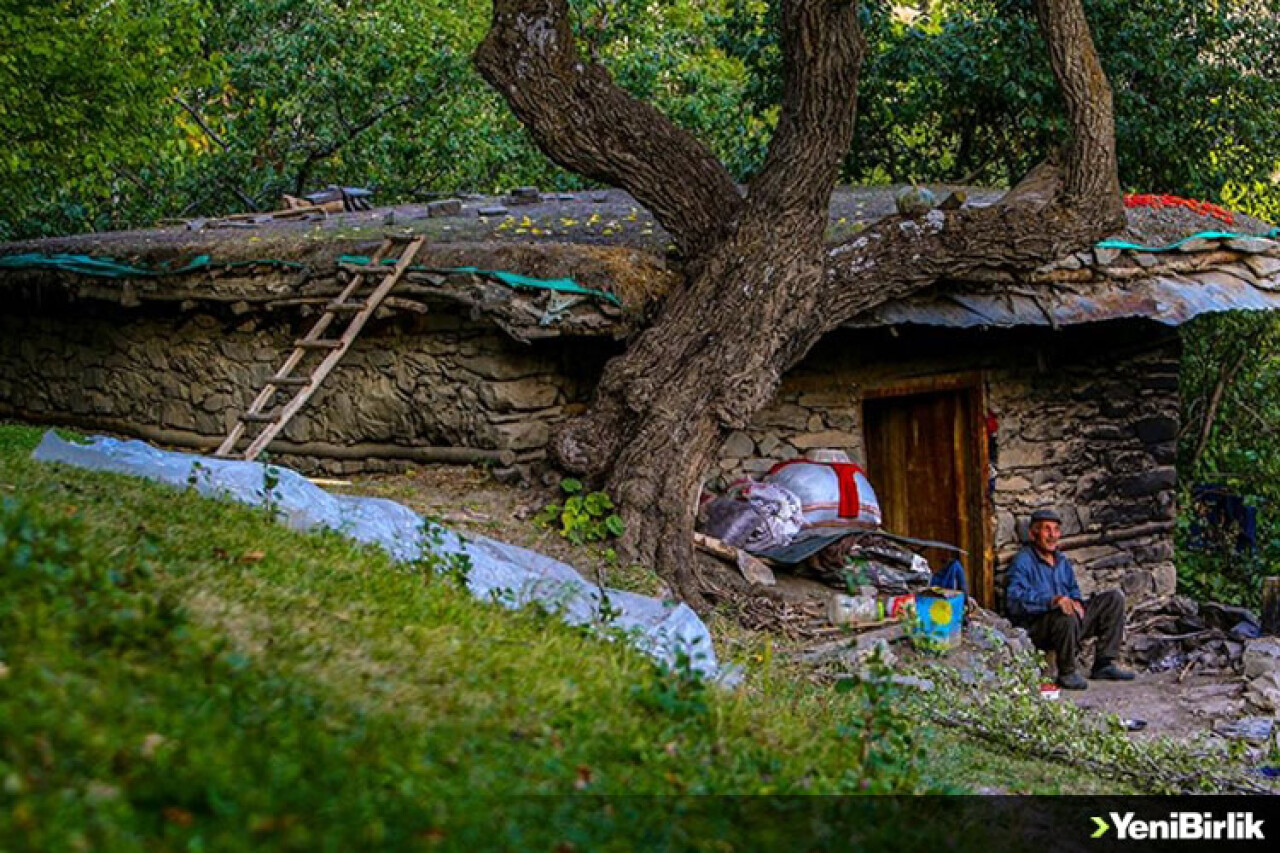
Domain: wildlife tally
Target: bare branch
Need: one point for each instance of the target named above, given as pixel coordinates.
(199, 119)
(583, 121)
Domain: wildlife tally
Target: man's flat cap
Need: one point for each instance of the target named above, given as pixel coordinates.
(1045, 515)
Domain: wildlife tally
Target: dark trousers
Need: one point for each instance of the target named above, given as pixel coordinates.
(1055, 631)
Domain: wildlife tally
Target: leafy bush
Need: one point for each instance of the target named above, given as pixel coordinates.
(1231, 437)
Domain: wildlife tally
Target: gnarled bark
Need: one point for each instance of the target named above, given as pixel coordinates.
(584, 122)
(761, 287)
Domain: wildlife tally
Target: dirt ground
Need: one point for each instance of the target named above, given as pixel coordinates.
(468, 499)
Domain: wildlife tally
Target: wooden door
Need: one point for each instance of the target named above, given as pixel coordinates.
(924, 460)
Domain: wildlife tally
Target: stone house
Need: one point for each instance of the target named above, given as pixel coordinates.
(969, 404)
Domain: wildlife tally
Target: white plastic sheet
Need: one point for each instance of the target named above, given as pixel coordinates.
(507, 574)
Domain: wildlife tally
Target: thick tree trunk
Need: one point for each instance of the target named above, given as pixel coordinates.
(761, 288)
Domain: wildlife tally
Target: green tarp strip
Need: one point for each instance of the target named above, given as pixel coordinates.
(1202, 235)
(510, 279)
(108, 268)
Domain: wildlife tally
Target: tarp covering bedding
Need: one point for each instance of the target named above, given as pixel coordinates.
(507, 574)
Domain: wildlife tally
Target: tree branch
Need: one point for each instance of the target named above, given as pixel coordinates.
(1227, 372)
(199, 119)
(584, 122)
(1053, 211)
(822, 48)
(1092, 174)
(315, 155)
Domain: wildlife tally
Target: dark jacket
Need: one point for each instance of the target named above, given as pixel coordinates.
(1033, 584)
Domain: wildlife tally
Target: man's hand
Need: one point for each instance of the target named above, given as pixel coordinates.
(1069, 606)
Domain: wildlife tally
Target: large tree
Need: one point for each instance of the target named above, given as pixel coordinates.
(760, 284)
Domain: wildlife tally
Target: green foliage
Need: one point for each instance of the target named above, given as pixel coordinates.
(85, 106)
(678, 691)
(435, 559)
(965, 92)
(203, 107)
(885, 735)
(998, 701)
(1233, 359)
(582, 518)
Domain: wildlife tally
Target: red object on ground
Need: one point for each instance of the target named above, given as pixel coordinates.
(1204, 208)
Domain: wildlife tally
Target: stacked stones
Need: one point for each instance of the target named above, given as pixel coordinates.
(1099, 446)
(433, 380)
(810, 411)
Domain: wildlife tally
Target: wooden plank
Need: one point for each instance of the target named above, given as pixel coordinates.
(331, 360)
(982, 572)
(923, 385)
(1271, 606)
(268, 392)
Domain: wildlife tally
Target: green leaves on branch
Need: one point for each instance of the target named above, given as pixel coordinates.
(120, 113)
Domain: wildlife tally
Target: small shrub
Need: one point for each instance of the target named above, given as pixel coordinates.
(582, 518)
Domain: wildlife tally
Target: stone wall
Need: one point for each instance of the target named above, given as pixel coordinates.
(412, 381)
(1087, 415)
(1087, 422)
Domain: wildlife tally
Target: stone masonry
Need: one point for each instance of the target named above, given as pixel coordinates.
(1087, 415)
(433, 380)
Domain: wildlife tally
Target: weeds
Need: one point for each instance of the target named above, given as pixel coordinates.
(582, 518)
(434, 559)
(999, 701)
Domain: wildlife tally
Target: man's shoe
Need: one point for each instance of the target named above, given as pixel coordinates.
(1111, 672)
(1072, 681)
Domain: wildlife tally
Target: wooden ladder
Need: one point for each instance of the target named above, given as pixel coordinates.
(315, 341)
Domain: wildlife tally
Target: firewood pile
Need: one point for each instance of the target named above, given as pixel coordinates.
(1175, 632)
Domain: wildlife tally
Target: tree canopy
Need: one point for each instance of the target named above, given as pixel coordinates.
(121, 113)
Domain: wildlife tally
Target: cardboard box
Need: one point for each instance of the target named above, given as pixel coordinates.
(939, 616)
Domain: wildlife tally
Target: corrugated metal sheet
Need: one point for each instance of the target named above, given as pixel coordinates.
(1168, 299)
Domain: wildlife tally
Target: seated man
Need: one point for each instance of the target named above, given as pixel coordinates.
(1043, 598)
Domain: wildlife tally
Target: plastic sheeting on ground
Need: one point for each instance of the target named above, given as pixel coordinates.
(507, 574)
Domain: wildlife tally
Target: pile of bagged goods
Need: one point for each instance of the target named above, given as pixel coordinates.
(820, 515)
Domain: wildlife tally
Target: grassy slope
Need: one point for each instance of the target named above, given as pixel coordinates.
(177, 669)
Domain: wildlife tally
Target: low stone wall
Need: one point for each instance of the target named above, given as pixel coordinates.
(437, 380)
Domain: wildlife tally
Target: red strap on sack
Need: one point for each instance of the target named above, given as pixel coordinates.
(849, 503)
(846, 473)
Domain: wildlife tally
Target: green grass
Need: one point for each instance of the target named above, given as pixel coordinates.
(181, 673)
(189, 673)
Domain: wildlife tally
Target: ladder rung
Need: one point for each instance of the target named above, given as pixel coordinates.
(346, 306)
(401, 239)
(260, 417)
(289, 381)
(320, 344)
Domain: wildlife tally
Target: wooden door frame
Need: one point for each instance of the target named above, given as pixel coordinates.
(981, 567)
